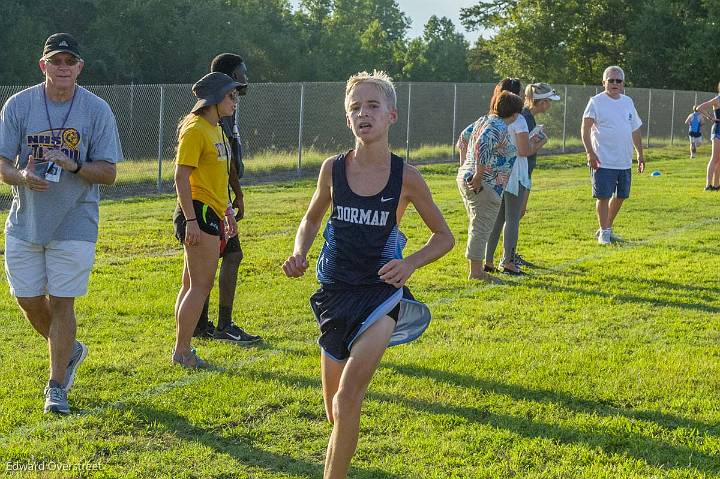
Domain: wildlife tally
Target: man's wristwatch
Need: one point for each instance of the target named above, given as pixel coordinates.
(79, 165)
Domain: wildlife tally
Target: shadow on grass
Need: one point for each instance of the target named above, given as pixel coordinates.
(241, 450)
(653, 451)
(661, 289)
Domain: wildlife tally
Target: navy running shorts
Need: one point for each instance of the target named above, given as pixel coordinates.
(345, 312)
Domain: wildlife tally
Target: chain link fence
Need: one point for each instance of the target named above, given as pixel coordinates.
(287, 129)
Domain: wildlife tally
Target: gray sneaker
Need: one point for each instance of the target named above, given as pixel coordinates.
(615, 238)
(78, 356)
(56, 401)
(190, 360)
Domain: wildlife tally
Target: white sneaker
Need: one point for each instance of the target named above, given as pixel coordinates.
(604, 237)
(597, 233)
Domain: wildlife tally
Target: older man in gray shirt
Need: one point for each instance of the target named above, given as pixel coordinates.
(58, 142)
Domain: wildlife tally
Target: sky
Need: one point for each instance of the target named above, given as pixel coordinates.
(420, 12)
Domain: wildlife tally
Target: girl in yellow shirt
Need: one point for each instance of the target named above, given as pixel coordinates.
(201, 181)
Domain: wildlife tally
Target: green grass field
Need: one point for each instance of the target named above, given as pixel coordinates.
(604, 362)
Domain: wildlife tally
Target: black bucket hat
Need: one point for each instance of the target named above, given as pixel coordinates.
(61, 43)
(211, 89)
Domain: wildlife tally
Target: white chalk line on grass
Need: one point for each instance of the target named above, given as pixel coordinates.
(603, 252)
(56, 422)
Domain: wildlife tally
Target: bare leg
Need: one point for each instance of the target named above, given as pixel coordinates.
(184, 288)
(200, 265)
(601, 207)
(331, 371)
(37, 310)
(227, 280)
(614, 209)
(54, 319)
(347, 402)
(61, 337)
(713, 167)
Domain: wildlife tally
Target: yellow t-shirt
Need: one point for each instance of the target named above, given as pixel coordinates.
(202, 146)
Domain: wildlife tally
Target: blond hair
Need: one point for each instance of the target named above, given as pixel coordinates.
(529, 102)
(536, 88)
(379, 79)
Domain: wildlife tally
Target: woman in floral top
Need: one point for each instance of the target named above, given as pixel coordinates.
(487, 156)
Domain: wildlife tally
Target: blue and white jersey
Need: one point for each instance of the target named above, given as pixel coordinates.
(695, 123)
(362, 234)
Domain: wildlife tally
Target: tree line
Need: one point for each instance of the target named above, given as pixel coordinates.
(660, 43)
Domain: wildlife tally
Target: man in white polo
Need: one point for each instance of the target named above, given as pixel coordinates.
(58, 142)
(610, 130)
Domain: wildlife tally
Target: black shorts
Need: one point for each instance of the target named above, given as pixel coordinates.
(233, 246)
(207, 220)
(695, 134)
(344, 313)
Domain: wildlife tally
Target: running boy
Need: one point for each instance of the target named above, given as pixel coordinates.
(695, 123)
(363, 306)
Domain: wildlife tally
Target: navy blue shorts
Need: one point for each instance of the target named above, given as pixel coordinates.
(607, 183)
(344, 313)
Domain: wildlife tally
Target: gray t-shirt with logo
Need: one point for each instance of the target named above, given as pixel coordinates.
(69, 209)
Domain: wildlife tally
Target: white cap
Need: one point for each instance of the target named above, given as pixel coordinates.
(543, 91)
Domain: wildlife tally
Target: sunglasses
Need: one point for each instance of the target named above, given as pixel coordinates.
(71, 62)
(614, 80)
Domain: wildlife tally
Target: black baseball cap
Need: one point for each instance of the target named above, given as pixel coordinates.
(61, 43)
(211, 89)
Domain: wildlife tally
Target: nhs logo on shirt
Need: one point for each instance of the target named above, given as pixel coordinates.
(68, 142)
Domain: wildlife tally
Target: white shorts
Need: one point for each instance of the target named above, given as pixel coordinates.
(61, 268)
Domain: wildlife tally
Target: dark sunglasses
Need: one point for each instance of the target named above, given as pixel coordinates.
(71, 62)
(614, 80)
